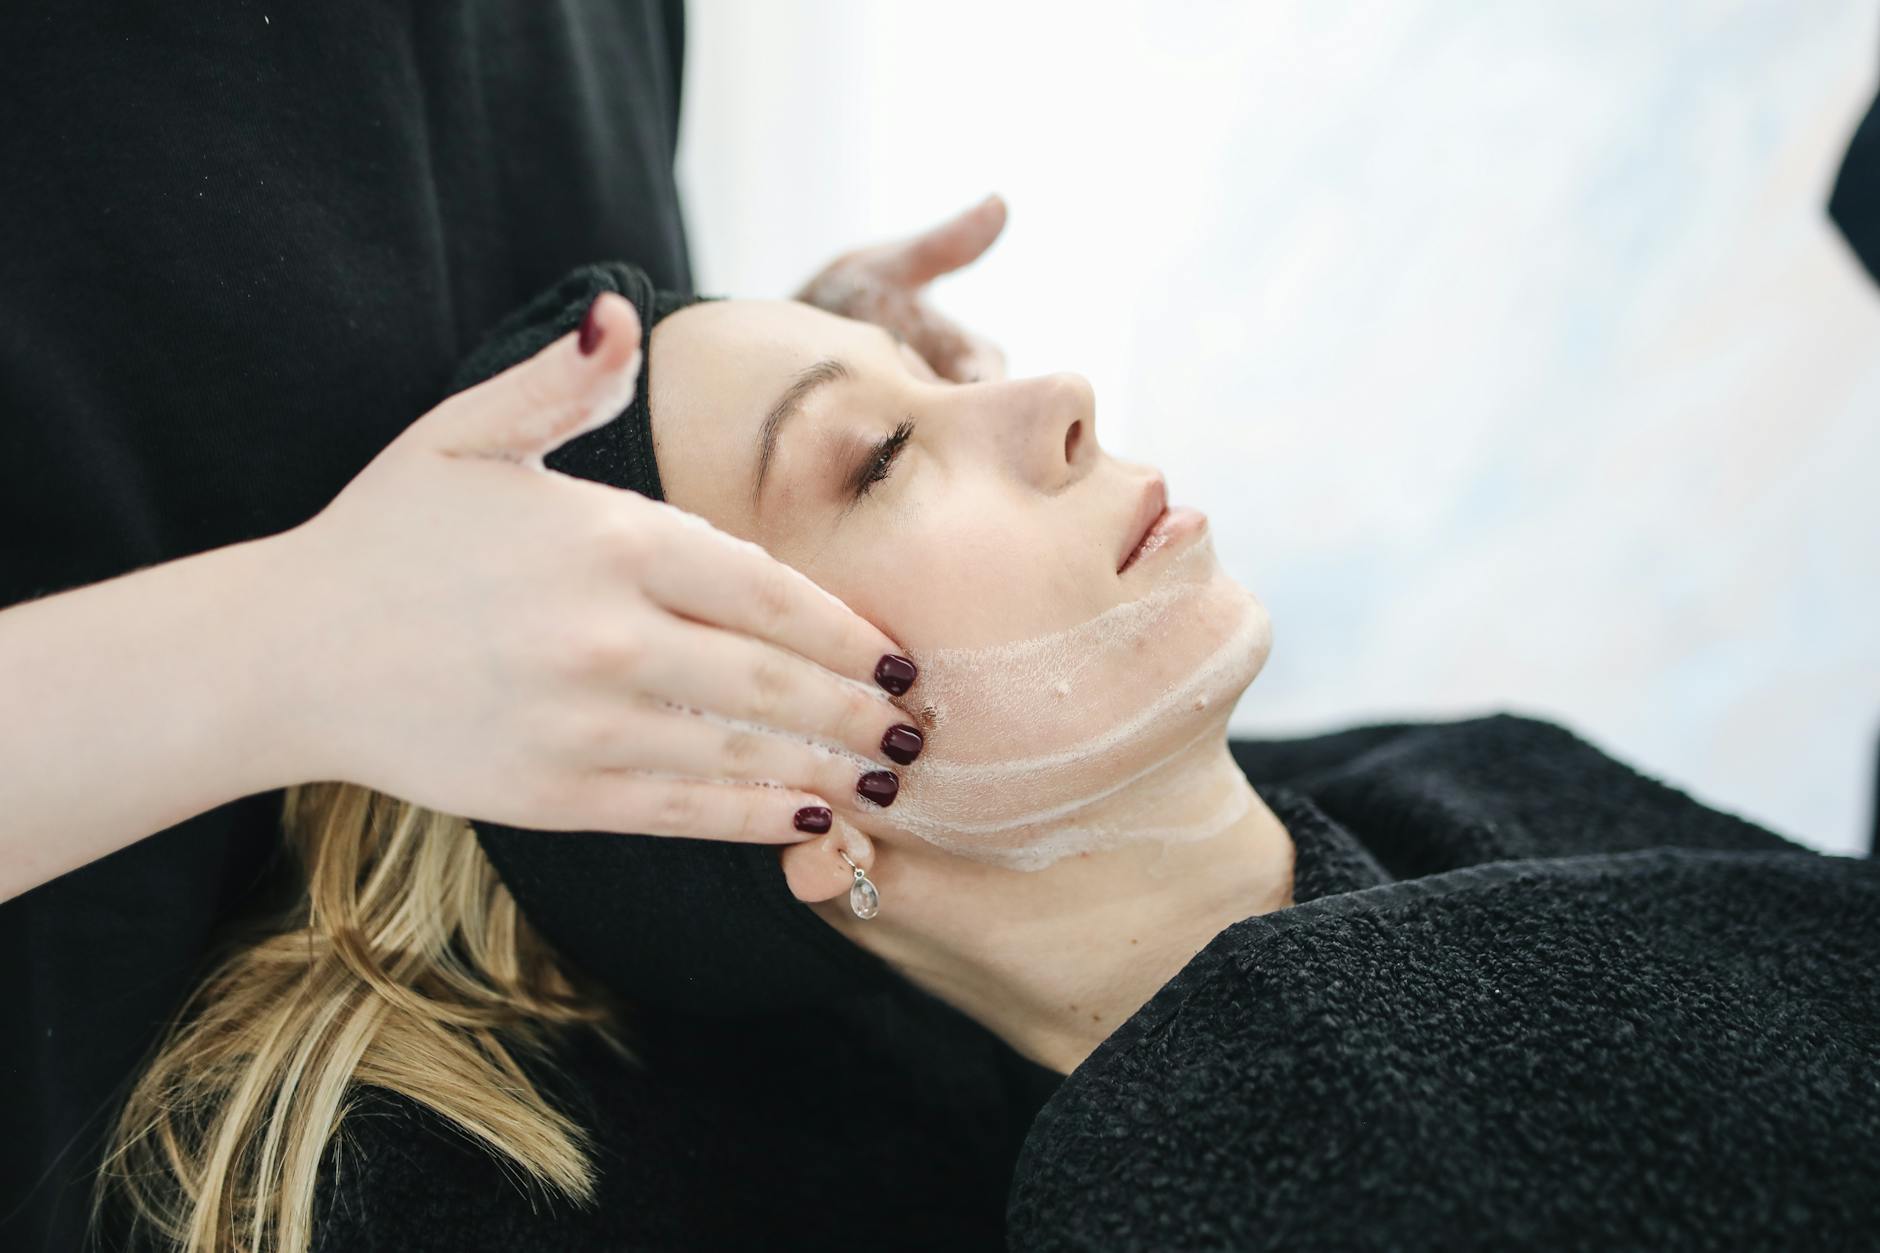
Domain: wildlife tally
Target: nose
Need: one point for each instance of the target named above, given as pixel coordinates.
(1055, 425)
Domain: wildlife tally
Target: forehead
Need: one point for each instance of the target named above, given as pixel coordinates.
(742, 352)
(717, 367)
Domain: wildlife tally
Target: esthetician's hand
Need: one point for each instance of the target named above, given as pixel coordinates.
(883, 284)
(476, 633)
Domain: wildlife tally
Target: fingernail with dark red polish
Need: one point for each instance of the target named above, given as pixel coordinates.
(902, 743)
(591, 330)
(879, 786)
(896, 673)
(813, 819)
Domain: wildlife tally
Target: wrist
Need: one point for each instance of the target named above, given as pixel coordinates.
(270, 675)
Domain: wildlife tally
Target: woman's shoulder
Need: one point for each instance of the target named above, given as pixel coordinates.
(1430, 796)
(1421, 1056)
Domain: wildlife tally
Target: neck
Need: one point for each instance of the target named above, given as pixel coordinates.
(1053, 960)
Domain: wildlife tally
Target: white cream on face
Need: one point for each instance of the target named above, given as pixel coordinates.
(1065, 741)
(1071, 742)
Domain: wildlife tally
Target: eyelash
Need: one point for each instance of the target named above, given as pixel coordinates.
(882, 463)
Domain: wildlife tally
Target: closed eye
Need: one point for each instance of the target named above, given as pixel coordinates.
(880, 462)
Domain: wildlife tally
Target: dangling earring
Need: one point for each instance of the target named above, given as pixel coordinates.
(864, 900)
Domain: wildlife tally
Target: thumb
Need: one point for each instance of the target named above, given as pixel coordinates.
(958, 241)
(579, 382)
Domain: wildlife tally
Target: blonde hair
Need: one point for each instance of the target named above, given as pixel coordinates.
(404, 965)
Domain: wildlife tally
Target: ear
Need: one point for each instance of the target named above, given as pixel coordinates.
(814, 869)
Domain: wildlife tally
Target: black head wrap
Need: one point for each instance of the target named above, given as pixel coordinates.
(696, 926)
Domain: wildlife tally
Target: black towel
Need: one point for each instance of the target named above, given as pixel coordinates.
(1545, 1001)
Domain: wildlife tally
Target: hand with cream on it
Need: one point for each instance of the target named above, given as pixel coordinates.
(884, 283)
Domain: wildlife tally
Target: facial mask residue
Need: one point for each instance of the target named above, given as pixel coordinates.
(1071, 738)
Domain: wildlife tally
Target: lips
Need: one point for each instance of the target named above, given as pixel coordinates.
(1150, 507)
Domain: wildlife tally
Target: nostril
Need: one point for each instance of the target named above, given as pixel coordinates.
(1071, 439)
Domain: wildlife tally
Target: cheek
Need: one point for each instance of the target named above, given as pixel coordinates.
(968, 574)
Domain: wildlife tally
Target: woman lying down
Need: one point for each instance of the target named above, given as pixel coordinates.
(1084, 975)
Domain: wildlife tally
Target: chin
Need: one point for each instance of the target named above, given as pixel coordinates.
(1215, 650)
(1244, 641)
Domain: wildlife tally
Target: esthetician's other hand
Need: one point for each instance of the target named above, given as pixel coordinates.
(883, 284)
(483, 636)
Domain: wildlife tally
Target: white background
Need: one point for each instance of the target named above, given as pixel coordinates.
(1507, 346)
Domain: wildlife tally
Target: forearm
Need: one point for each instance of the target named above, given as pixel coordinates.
(130, 705)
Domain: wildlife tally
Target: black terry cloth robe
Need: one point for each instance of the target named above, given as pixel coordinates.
(1525, 998)
(244, 247)
(1440, 1091)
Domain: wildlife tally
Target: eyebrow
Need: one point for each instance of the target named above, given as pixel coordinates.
(824, 372)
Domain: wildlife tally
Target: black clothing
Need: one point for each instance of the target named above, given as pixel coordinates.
(780, 1133)
(1854, 204)
(245, 247)
(890, 1122)
(697, 927)
(1527, 999)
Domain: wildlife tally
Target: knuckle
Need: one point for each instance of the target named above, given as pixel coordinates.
(629, 548)
(615, 652)
(752, 817)
(580, 737)
(773, 599)
(863, 722)
(591, 651)
(600, 737)
(769, 689)
(564, 651)
(836, 776)
(676, 808)
(740, 750)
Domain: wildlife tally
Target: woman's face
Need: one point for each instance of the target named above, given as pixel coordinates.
(1000, 517)
(952, 516)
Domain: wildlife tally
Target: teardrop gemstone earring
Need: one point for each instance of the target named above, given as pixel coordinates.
(864, 900)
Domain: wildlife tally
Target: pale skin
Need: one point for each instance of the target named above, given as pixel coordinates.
(999, 518)
(465, 629)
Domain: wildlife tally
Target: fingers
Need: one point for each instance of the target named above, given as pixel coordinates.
(950, 348)
(687, 743)
(936, 338)
(956, 242)
(982, 362)
(814, 868)
(538, 404)
(732, 675)
(954, 352)
(637, 803)
(704, 574)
